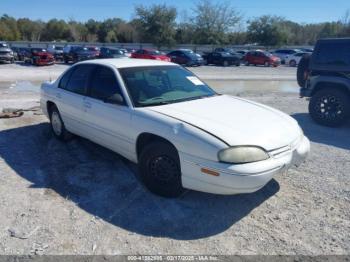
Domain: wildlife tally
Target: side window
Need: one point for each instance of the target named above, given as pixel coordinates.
(65, 78)
(336, 54)
(78, 79)
(104, 84)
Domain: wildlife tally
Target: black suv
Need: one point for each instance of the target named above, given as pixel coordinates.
(324, 76)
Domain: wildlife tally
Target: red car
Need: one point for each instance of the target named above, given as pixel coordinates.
(150, 54)
(261, 58)
(39, 56)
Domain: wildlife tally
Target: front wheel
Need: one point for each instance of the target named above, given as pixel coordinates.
(225, 63)
(292, 63)
(57, 125)
(330, 107)
(159, 165)
(267, 64)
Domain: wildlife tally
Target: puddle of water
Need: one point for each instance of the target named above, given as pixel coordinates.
(253, 86)
(21, 86)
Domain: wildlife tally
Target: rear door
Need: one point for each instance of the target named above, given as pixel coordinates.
(107, 120)
(70, 96)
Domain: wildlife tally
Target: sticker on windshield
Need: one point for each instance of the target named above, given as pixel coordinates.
(195, 80)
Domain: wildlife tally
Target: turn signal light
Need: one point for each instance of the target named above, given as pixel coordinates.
(210, 172)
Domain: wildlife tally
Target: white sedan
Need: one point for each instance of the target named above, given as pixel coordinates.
(294, 59)
(182, 134)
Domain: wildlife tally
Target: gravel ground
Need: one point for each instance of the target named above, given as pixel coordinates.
(79, 198)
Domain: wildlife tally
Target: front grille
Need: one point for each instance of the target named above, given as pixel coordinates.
(279, 152)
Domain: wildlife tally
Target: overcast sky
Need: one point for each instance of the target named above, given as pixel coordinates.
(307, 11)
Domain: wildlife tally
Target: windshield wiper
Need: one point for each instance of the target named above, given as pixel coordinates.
(156, 103)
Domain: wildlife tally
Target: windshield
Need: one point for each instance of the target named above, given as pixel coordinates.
(158, 85)
(116, 52)
(38, 50)
(154, 52)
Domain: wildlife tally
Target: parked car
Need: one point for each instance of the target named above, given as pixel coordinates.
(77, 53)
(259, 57)
(294, 59)
(230, 51)
(39, 56)
(56, 51)
(22, 52)
(95, 51)
(150, 54)
(221, 58)
(106, 52)
(179, 131)
(283, 53)
(6, 54)
(185, 57)
(324, 77)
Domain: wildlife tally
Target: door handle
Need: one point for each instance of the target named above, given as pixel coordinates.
(87, 104)
(58, 95)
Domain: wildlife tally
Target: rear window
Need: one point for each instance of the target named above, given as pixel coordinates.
(335, 54)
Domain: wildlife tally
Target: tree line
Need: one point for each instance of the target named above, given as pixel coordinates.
(214, 23)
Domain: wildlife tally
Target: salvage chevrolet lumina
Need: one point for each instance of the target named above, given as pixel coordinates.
(181, 133)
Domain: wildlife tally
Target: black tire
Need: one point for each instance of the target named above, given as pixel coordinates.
(267, 64)
(160, 170)
(238, 63)
(246, 63)
(292, 63)
(62, 133)
(303, 69)
(225, 63)
(330, 107)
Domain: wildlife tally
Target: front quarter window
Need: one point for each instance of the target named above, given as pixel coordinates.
(157, 85)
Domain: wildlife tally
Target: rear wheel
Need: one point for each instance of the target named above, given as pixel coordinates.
(330, 107)
(303, 69)
(159, 165)
(225, 63)
(246, 63)
(292, 63)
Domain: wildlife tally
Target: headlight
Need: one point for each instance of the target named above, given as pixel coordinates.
(242, 154)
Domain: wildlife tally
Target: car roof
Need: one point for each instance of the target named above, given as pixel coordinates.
(123, 63)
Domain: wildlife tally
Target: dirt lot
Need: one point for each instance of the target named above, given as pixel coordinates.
(79, 198)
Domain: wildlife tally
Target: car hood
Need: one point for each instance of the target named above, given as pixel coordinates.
(236, 121)
(8, 50)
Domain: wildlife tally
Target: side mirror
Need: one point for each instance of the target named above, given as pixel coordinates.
(115, 99)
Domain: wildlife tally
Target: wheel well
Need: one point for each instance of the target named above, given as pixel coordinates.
(325, 85)
(147, 138)
(49, 105)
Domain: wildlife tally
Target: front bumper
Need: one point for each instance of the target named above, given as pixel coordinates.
(6, 58)
(305, 92)
(244, 178)
(41, 62)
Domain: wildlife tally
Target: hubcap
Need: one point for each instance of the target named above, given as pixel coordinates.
(329, 107)
(56, 123)
(163, 168)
